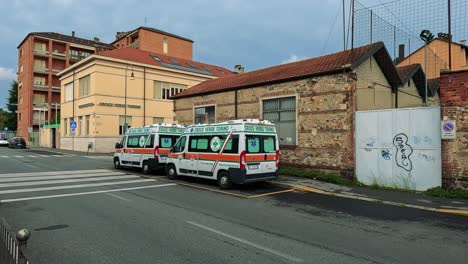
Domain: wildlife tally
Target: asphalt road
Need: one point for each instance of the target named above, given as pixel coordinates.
(80, 210)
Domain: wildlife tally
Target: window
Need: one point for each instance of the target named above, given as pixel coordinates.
(20, 100)
(79, 126)
(39, 80)
(65, 127)
(21, 52)
(134, 141)
(165, 46)
(68, 92)
(20, 116)
(84, 86)
(41, 64)
(166, 141)
(232, 146)
(180, 144)
(123, 142)
(282, 111)
(205, 115)
(40, 46)
(38, 98)
(260, 144)
(158, 120)
(21, 68)
(122, 120)
(87, 124)
(164, 90)
(150, 142)
(20, 84)
(213, 144)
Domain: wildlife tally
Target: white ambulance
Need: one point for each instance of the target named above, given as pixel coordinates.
(146, 147)
(238, 151)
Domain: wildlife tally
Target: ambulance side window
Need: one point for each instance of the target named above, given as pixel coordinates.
(150, 142)
(232, 146)
(123, 142)
(199, 144)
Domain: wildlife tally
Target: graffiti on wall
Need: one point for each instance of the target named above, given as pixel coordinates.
(386, 155)
(403, 152)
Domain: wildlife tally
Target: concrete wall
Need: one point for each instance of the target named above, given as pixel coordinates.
(45, 137)
(408, 96)
(454, 106)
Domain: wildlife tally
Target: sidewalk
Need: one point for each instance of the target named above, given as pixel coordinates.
(65, 151)
(397, 198)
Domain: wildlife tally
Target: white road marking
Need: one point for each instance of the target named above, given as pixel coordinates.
(34, 183)
(6, 157)
(32, 156)
(118, 197)
(45, 156)
(73, 186)
(53, 177)
(45, 173)
(84, 193)
(238, 239)
(17, 156)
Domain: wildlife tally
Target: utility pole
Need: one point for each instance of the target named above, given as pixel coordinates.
(344, 26)
(352, 24)
(450, 37)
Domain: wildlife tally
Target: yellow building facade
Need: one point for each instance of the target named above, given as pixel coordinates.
(101, 94)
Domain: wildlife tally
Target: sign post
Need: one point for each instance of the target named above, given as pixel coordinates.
(448, 129)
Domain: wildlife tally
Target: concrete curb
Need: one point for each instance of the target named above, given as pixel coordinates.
(356, 197)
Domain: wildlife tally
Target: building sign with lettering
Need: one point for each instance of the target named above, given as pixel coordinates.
(119, 105)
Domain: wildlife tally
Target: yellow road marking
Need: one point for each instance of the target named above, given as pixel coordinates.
(271, 193)
(453, 211)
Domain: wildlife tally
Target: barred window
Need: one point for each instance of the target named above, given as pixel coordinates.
(282, 111)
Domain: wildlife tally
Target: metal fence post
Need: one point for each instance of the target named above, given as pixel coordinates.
(22, 237)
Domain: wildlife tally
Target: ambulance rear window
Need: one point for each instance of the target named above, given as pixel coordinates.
(166, 141)
(260, 144)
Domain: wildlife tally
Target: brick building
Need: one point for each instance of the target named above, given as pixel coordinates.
(454, 106)
(41, 55)
(312, 102)
(155, 40)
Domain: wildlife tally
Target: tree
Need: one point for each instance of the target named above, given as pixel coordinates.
(11, 117)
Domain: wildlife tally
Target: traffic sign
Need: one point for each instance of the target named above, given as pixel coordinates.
(448, 129)
(72, 124)
(73, 131)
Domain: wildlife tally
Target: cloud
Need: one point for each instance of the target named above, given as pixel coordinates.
(7, 74)
(293, 58)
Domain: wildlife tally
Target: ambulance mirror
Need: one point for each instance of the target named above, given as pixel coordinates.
(117, 145)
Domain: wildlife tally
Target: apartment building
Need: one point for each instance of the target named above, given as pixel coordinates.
(41, 55)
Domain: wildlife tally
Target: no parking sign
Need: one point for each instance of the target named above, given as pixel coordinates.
(448, 129)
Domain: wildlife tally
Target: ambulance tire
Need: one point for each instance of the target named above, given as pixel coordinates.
(171, 171)
(117, 163)
(146, 168)
(224, 180)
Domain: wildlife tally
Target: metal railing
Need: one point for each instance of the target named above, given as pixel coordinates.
(12, 246)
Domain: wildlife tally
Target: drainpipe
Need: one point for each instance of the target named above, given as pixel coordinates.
(396, 97)
(235, 104)
(73, 111)
(144, 96)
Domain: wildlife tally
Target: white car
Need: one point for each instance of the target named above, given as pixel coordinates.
(4, 142)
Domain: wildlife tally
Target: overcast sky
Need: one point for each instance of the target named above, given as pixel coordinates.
(253, 33)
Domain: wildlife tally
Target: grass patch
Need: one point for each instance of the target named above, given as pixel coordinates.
(456, 193)
(314, 174)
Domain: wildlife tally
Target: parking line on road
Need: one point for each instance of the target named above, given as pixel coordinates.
(61, 181)
(252, 244)
(84, 193)
(55, 177)
(270, 193)
(71, 186)
(118, 197)
(47, 173)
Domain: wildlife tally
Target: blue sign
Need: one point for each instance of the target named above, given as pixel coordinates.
(72, 124)
(5, 128)
(448, 127)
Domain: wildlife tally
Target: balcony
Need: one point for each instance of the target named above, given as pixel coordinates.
(41, 53)
(41, 70)
(55, 71)
(59, 55)
(134, 45)
(75, 58)
(41, 87)
(56, 89)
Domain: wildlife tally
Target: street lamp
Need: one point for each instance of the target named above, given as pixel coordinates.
(132, 77)
(427, 37)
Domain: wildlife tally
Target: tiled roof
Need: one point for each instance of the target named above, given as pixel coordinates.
(146, 57)
(70, 39)
(332, 63)
(154, 30)
(406, 72)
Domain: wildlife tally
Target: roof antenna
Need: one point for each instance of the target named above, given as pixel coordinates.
(145, 20)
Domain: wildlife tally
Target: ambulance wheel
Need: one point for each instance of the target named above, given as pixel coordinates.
(171, 171)
(224, 180)
(146, 168)
(116, 163)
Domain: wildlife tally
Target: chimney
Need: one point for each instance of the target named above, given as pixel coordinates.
(238, 69)
(73, 33)
(444, 36)
(401, 51)
(97, 39)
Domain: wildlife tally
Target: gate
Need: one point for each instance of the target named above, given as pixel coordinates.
(399, 148)
(11, 249)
